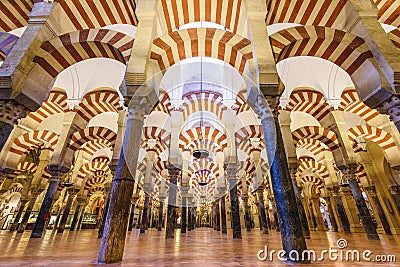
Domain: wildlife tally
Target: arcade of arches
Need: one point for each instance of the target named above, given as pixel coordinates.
(180, 118)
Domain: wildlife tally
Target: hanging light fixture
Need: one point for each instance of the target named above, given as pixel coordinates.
(201, 153)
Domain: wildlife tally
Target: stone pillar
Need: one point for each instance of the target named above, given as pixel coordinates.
(317, 213)
(341, 210)
(379, 210)
(71, 195)
(173, 178)
(223, 215)
(10, 112)
(261, 210)
(332, 214)
(233, 194)
(132, 213)
(56, 174)
(395, 193)
(145, 214)
(247, 216)
(78, 211)
(369, 227)
(104, 212)
(184, 217)
(28, 211)
(285, 199)
(391, 107)
(116, 225)
(160, 215)
(21, 208)
(218, 216)
(302, 213)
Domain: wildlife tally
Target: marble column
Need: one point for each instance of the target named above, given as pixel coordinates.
(285, 199)
(366, 219)
(116, 225)
(78, 211)
(317, 213)
(71, 195)
(132, 215)
(275, 214)
(261, 210)
(223, 215)
(302, 213)
(28, 211)
(247, 216)
(56, 174)
(341, 210)
(233, 194)
(145, 214)
(104, 212)
(218, 216)
(160, 215)
(189, 219)
(332, 214)
(10, 112)
(184, 217)
(391, 107)
(381, 214)
(173, 178)
(21, 208)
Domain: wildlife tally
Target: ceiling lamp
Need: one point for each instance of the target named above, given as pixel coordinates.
(201, 153)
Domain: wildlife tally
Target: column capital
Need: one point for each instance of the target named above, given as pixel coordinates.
(11, 111)
(57, 172)
(391, 107)
(349, 171)
(266, 106)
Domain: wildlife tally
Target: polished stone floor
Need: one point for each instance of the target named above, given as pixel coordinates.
(202, 247)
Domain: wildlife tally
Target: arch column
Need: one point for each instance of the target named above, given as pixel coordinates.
(173, 178)
(145, 214)
(56, 174)
(105, 209)
(116, 224)
(78, 210)
(71, 196)
(302, 213)
(223, 214)
(345, 224)
(233, 194)
(317, 213)
(369, 227)
(28, 211)
(22, 204)
(371, 191)
(261, 210)
(291, 230)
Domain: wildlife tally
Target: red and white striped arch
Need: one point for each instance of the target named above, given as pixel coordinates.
(394, 36)
(164, 104)
(99, 178)
(207, 101)
(98, 13)
(309, 101)
(243, 138)
(97, 189)
(388, 12)
(226, 46)
(229, 13)
(323, 135)
(378, 136)
(13, 190)
(7, 42)
(55, 104)
(328, 13)
(203, 176)
(213, 134)
(204, 164)
(344, 49)
(248, 167)
(91, 147)
(309, 164)
(24, 167)
(63, 51)
(312, 145)
(89, 134)
(157, 133)
(351, 102)
(312, 179)
(14, 14)
(23, 144)
(97, 102)
(241, 103)
(93, 167)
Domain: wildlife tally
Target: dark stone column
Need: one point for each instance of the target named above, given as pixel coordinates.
(372, 193)
(104, 211)
(341, 211)
(223, 215)
(56, 174)
(10, 112)
(28, 211)
(363, 211)
(235, 215)
(173, 177)
(67, 209)
(395, 193)
(218, 216)
(160, 215)
(194, 223)
(145, 214)
(247, 216)
(285, 199)
(81, 216)
(261, 210)
(275, 214)
(21, 208)
(184, 212)
(302, 213)
(116, 225)
(78, 211)
(58, 218)
(332, 214)
(132, 214)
